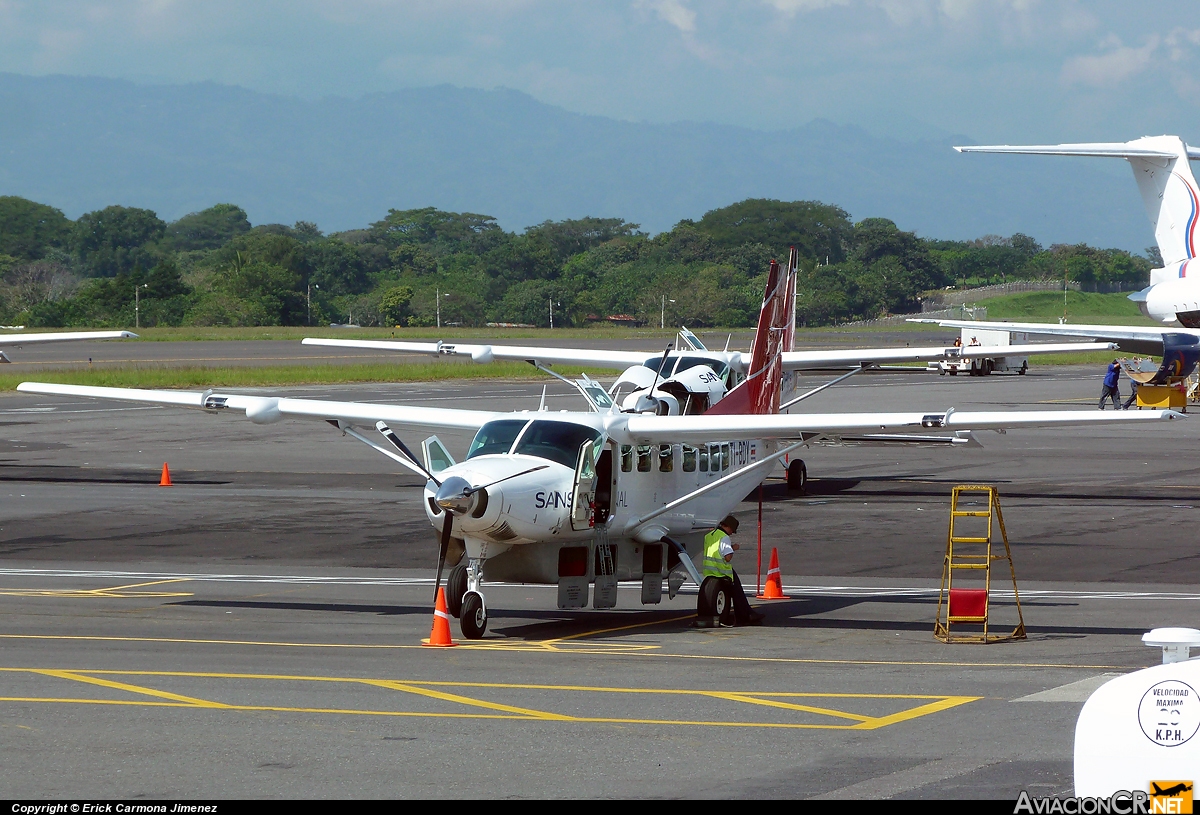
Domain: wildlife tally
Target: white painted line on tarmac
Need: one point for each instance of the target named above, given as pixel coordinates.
(1071, 692)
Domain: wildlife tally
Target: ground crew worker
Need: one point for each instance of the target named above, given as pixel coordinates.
(1111, 389)
(718, 562)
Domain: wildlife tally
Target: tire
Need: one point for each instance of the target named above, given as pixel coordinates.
(1024, 368)
(954, 373)
(473, 621)
(716, 599)
(456, 587)
(797, 476)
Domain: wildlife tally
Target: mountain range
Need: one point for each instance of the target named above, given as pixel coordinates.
(83, 143)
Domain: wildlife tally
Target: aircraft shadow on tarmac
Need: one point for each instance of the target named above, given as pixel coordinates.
(551, 623)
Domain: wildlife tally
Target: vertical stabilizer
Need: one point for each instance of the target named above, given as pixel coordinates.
(759, 392)
(1164, 178)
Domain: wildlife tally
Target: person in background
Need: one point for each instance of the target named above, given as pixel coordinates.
(1133, 384)
(1111, 390)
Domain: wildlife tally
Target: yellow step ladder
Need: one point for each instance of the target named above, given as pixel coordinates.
(968, 555)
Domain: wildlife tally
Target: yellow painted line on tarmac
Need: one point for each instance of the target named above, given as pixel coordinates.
(496, 710)
(822, 711)
(462, 700)
(107, 683)
(113, 591)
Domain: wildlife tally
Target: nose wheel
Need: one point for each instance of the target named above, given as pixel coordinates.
(456, 587)
(473, 621)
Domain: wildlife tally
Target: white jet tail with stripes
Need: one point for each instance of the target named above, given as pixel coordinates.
(1172, 198)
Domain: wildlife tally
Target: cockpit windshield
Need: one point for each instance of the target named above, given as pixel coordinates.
(557, 441)
(496, 437)
(677, 364)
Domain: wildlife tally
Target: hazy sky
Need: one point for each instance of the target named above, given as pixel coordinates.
(995, 70)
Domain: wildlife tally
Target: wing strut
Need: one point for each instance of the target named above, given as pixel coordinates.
(720, 482)
(862, 367)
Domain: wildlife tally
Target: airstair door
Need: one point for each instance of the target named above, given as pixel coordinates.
(583, 496)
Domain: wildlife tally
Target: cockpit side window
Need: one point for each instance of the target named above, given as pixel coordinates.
(496, 437)
(556, 441)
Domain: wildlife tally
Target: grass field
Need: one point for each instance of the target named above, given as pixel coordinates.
(148, 376)
(1046, 307)
(1081, 307)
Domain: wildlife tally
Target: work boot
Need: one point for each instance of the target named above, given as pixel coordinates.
(755, 618)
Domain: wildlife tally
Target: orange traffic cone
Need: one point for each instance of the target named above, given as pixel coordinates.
(440, 635)
(774, 588)
(165, 481)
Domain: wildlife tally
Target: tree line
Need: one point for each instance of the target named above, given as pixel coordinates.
(213, 268)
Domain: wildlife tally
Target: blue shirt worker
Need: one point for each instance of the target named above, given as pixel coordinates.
(718, 561)
(1110, 386)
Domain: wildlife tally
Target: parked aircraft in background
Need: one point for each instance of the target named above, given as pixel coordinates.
(62, 336)
(1172, 199)
(580, 497)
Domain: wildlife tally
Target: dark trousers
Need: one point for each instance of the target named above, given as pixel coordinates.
(741, 606)
(1132, 396)
(1111, 391)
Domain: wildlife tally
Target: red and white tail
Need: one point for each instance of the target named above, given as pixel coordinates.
(759, 393)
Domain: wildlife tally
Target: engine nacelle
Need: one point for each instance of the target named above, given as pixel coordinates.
(1181, 352)
(1174, 298)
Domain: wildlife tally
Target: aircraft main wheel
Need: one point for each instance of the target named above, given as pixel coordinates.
(797, 476)
(715, 598)
(474, 619)
(1024, 368)
(456, 587)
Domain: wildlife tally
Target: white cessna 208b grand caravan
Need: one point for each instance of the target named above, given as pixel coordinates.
(600, 495)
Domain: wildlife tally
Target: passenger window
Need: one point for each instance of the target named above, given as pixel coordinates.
(725, 457)
(689, 459)
(666, 459)
(645, 452)
(704, 459)
(626, 458)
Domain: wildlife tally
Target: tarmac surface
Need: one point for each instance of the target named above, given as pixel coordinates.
(254, 630)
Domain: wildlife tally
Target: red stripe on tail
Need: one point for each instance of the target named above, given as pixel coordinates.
(759, 393)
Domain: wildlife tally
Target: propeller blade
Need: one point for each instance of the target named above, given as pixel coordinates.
(474, 490)
(447, 529)
(391, 436)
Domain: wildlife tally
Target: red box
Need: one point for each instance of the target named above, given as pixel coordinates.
(968, 602)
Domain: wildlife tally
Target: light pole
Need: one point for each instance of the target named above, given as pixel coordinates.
(308, 299)
(552, 304)
(662, 317)
(137, 306)
(438, 299)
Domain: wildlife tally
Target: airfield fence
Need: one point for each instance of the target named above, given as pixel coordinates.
(959, 312)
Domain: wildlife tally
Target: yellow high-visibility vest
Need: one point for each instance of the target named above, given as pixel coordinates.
(714, 564)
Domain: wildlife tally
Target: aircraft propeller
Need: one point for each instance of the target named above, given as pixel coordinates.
(454, 497)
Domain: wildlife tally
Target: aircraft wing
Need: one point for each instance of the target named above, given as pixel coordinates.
(1111, 333)
(64, 336)
(815, 360)
(267, 409)
(704, 429)
(618, 360)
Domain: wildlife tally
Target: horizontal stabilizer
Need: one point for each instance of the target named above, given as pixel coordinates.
(1096, 149)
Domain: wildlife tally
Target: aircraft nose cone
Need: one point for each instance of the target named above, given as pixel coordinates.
(454, 495)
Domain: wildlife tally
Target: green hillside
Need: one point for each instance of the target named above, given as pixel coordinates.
(1081, 307)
